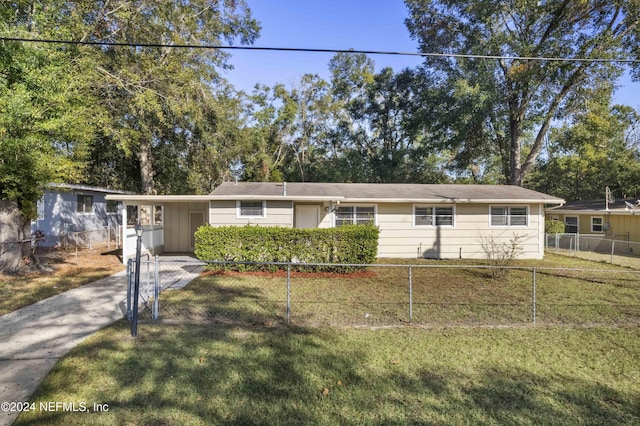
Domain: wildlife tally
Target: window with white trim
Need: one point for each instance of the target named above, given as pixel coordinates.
(250, 208)
(433, 216)
(84, 203)
(509, 216)
(355, 215)
(597, 224)
(571, 224)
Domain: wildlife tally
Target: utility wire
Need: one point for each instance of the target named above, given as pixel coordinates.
(313, 50)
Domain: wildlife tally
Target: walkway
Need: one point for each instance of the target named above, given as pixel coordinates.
(34, 338)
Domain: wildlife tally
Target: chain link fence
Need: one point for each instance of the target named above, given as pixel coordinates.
(595, 247)
(389, 295)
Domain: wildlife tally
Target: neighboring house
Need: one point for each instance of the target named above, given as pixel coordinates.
(617, 220)
(433, 221)
(76, 213)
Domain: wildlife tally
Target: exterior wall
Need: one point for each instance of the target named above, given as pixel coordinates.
(277, 213)
(400, 238)
(622, 226)
(58, 215)
(177, 225)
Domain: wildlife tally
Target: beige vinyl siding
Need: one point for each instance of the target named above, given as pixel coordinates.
(622, 226)
(177, 236)
(225, 212)
(400, 238)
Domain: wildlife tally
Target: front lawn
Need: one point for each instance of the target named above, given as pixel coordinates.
(229, 374)
(223, 354)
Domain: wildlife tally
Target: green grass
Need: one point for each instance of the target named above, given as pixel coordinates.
(223, 354)
(201, 375)
(443, 294)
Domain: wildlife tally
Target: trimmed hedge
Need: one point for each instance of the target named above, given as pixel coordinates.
(354, 244)
(554, 227)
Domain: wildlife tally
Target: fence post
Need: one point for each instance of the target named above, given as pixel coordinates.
(129, 313)
(613, 245)
(288, 292)
(533, 295)
(410, 294)
(156, 289)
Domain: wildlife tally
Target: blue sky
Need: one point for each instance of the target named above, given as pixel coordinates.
(336, 24)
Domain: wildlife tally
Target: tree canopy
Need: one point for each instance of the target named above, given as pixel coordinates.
(509, 104)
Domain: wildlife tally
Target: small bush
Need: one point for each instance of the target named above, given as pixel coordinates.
(354, 244)
(501, 254)
(554, 227)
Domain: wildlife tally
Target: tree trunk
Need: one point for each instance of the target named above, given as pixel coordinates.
(146, 168)
(15, 233)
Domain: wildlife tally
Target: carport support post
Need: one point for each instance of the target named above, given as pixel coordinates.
(136, 285)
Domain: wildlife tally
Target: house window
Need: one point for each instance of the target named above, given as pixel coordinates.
(251, 209)
(85, 203)
(132, 216)
(355, 215)
(509, 216)
(113, 206)
(597, 224)
(157, 215)
(430, 216)
(571, 224)
(145, 215)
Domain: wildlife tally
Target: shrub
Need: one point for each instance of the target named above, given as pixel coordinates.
(554, 227)
(354, 244)
(500, 255)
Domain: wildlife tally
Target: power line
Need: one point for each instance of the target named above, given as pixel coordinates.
(315, 50)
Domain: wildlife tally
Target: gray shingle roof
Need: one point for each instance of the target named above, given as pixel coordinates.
(596, 205)
(386, 191)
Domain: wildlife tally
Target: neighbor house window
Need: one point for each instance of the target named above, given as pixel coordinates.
(508, 216)
(112, 206)
(571, 224)
(433, 216)
(597, 224)
(85, 203)
(251, 209)
(355, 215)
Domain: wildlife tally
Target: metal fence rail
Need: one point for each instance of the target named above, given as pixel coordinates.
(614, 251)
(391, 295)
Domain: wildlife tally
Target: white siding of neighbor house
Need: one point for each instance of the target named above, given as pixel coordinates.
(225, 212)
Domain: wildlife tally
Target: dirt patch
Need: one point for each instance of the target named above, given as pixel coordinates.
(56, 262)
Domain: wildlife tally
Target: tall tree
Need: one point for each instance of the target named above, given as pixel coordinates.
(516, 99)
(591, 152)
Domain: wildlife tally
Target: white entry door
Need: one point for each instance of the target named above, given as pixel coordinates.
(307, 216)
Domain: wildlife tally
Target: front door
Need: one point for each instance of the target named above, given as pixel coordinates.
(196, 220)
(307, 216)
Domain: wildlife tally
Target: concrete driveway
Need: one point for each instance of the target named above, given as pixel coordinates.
(34, 338)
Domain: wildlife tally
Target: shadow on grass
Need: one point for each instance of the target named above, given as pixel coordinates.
(249, 373)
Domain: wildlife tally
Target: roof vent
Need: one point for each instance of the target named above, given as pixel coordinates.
(284, 188)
